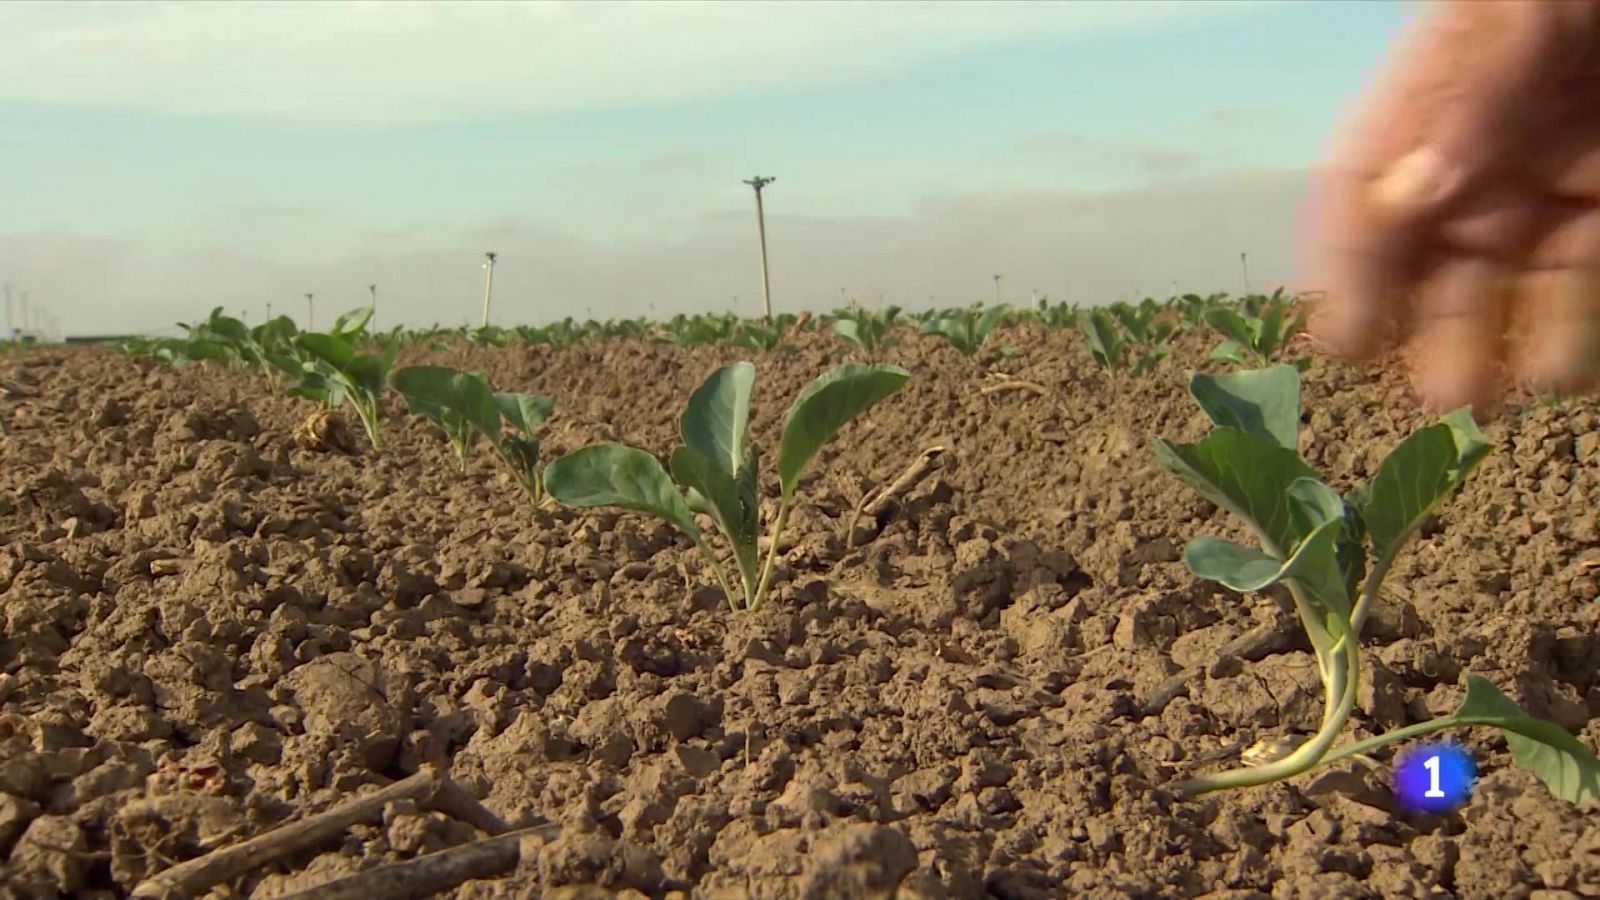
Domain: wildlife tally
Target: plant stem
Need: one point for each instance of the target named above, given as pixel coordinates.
(722, 576)
(369, 420)
(772, 552)
(1369, 592)
(1341, 677)
(1399, 734)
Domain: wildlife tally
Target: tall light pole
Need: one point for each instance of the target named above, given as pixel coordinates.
(269, 310)
(374, 289)
(1244, 265)
(25, 323)
(759, 182)
(997, 290)
(311, 314)
(488, 286)
(10, 334)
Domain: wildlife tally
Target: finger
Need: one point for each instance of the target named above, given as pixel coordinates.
(1559, 310)
(1569, 164)
(1481, 75)
(1364, 267)
(1505, 221)
(1459, 337)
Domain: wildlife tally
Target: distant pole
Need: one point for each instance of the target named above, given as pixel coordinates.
(1244, 264)
(488, 286)
(269, 310)
(997, 290)
(311, 314)
(759, 182)
(26, 325)
(10, 333)
(374, 289)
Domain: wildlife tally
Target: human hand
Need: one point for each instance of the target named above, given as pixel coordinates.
(1461, 207)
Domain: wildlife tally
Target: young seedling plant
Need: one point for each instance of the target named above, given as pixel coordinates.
(1261, 328)
(968, 330)
(1332, 554)
(1110, 347)
(465, 409)
(717, 465)
(335, 373)
(866, 329)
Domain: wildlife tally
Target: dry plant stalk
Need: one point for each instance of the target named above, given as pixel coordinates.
(430, 787)
(877, 500)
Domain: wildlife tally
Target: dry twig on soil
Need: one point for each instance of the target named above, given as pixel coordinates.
(429, 787)
(435, 872)
(877, 501)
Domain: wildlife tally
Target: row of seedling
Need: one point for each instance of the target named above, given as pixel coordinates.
(1330, 552)
(713, 474)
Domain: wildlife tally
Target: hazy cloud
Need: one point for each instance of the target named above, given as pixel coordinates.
(1080, 245)
(1156, 160)
(375, 61)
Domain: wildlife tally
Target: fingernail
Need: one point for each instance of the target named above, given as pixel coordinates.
(1415, 183)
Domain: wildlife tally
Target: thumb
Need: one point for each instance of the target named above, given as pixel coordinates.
(1489, 72)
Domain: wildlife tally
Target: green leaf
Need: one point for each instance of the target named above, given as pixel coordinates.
(610, 474)
(716, 423)
(1417, 475)
(1567, 767)
(847, 329)
(1228, 352)
(824, 407)
(327, 348)
(1246, 569)
(1100, 333)
(1230, 324)
(353, 322)
(1271, 333)
(1265, 402)
(727, 503)
(1246, 474)
(991, 320)
(525, 412)
(464, 394)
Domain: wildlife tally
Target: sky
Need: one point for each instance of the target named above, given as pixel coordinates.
(159, 159)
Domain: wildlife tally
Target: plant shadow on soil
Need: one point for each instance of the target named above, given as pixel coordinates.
(205, 629)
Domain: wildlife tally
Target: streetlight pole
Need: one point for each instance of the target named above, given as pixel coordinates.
(997, 290)
(759, 182)
(1244, 265)
(311, 314)
(10, 334)
(488, 286)
(25, 323)
(374, 289)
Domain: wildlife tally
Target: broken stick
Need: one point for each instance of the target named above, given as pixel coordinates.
(429, 787)
(877, 501)
(434, 873)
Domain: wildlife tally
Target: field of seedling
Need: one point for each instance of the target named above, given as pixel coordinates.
(1140, 600)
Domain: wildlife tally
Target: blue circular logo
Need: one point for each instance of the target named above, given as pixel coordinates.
(1434, 777)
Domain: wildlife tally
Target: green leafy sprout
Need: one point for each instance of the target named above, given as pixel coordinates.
(1111, 346)
(1259, 327)
(334, 372)
(465, 409)
(717, 465)
(1332, 554)
(968, 330)
(868, 330)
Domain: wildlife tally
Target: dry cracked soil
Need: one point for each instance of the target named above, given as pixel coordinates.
(207, 631)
